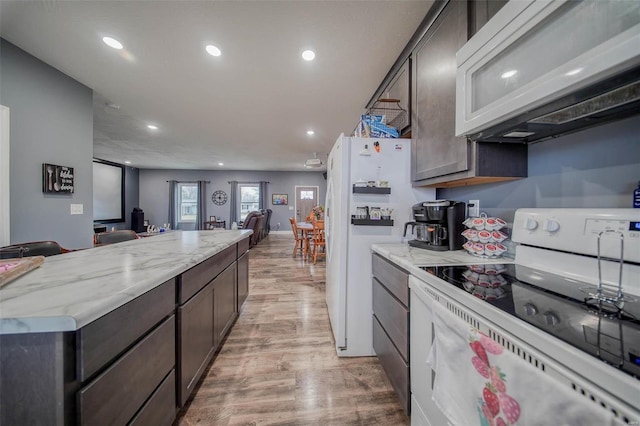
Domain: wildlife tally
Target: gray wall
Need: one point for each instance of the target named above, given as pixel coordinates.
(598, 167)
(154, 191)
(51, 122)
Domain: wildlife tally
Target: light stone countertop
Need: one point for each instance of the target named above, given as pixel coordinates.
(71, 290)
(411, 258)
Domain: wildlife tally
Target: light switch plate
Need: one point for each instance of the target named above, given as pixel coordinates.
(76, 208)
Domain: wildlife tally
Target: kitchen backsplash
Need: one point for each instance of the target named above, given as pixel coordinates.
(593, 168)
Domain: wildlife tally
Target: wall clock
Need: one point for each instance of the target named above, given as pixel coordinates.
(219, 197)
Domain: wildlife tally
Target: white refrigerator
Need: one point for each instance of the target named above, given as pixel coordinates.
(348, 270)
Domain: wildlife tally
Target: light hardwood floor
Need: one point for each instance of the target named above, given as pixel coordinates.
(278, 365)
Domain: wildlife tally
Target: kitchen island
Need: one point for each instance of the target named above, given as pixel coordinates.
(118, 333)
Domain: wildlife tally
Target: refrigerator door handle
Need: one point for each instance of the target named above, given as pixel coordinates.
(327, 226)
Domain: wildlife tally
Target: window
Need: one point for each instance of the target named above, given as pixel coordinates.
(307, 195)
(187, 201)
(249, 199)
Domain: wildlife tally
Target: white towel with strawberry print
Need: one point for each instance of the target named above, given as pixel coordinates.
(478, 382)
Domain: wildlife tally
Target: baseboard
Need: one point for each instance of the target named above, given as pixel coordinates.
(284, 232)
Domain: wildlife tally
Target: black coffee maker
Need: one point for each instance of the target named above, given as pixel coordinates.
(437, 225)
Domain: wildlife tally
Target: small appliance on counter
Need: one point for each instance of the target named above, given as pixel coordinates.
(437, 225)
(137, 220)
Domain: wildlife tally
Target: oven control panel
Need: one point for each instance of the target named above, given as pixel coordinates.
(580, 230)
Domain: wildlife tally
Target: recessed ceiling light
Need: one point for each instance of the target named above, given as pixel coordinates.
(310, 132)
(220, 164)
(127, 162)
(308, 55)
(152, 126)
(112, 42)
(509, 73)
(213, 50)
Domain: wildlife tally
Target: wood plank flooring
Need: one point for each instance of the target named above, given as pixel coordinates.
(278, 365)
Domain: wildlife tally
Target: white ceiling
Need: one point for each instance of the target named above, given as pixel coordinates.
(249, 108)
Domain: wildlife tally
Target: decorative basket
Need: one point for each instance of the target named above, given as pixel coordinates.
(395, 115)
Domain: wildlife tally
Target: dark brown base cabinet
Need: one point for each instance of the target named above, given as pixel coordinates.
(243, 278)
(391, 326)
(195, 337)
(136, 365)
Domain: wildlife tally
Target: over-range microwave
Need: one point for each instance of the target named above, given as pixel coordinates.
(542, 68)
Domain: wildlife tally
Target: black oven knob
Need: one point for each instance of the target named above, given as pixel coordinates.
(551, 318)
(530, 309)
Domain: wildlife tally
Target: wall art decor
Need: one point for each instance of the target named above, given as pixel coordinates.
(279, 199)
(57, 179)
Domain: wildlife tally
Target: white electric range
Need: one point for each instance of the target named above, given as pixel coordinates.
(569, 305)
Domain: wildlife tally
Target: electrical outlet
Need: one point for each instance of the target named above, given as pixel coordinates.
(474, 208)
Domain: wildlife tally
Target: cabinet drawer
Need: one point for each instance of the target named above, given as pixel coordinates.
(393, 317)
(198, 276)
(394, 366)
(118, 393)
(243, 246)
(393, 278)
(104, 339)
(160, 409)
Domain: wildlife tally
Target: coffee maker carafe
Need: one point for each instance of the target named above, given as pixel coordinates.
(437, 225)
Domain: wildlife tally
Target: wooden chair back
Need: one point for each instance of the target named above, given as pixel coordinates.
(294, 227)
(104, 238)
(33, 248)
(319, 243)
(300, 243)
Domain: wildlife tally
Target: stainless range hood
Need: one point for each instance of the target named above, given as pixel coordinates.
(609, 100)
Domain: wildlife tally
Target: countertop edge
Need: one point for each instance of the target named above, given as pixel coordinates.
(412, 258)
(34, 323)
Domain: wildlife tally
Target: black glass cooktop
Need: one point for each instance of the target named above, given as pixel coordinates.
(557, 305)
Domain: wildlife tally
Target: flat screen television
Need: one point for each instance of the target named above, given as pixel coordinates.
(108, 192)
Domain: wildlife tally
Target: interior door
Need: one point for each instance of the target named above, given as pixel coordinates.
(306, 199)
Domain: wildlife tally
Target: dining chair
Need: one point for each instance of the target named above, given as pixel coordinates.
(319, 243)
(299, 238)
(34, 248)
(104, 238)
